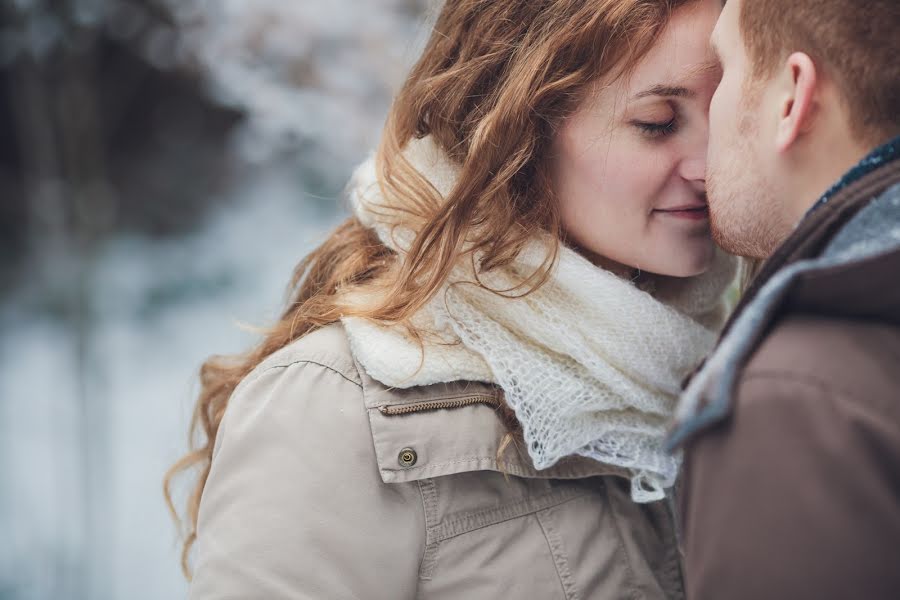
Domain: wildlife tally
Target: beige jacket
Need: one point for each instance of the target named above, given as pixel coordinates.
(325, 484)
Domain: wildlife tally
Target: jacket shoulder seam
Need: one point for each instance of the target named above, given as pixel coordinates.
(327, 353)
(312, 362)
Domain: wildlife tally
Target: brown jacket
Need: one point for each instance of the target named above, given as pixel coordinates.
(792, 461)
(327, 485)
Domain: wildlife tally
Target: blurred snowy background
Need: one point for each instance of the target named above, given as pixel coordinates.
(164, 164)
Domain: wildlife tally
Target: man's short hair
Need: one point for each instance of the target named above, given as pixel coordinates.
(856, 42)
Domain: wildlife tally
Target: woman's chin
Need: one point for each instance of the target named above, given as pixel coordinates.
(684, 263)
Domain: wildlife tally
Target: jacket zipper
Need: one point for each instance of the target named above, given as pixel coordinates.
(405, 409)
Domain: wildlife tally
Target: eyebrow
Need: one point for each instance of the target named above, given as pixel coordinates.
(666, 91)
(674, 90)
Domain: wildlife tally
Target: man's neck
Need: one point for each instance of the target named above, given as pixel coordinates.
(821, 170)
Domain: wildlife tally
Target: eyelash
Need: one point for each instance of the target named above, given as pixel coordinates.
(657, 130)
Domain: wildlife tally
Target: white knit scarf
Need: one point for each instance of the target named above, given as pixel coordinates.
(589, 363)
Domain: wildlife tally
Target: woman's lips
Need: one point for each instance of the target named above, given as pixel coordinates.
(692, 213)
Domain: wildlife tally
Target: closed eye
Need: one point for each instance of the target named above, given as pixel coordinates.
(655, 130)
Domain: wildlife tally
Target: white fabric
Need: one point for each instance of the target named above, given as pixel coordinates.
(590, 364)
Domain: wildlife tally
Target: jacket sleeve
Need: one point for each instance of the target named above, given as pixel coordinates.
(294, 507)
(796, 497)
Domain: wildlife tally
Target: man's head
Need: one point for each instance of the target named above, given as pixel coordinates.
(808, 88)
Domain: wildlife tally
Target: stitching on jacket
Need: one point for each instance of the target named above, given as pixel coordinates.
(620, 539)
(450, 463)
(510, 469)
(672, 569)
(493, 516)
(559, 559)
(371, 414)
(428, 489)
(310, 362)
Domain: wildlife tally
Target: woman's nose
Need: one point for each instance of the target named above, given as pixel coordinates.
(693, 169)
(693, 163)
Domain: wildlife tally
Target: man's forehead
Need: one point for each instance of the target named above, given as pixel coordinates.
(726, 19)
(730, 7)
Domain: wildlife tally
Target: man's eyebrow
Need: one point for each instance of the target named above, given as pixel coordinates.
(666, 91)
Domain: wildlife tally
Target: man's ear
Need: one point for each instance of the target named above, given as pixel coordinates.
(797, 104)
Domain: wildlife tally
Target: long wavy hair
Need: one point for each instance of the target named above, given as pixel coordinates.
(494, 83)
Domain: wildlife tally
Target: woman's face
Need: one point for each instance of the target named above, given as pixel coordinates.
(629, 166)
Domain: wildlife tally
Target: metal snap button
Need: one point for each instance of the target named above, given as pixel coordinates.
(407, 457)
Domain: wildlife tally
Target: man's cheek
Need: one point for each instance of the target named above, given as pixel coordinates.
(715, 112)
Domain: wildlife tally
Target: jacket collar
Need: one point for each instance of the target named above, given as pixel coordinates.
(841, 260)
(453, 428)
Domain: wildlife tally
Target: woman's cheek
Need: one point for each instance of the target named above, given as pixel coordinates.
(637, 178)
